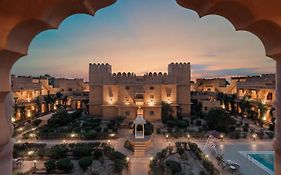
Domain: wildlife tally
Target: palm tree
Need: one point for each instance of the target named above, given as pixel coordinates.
(232, 103)
(167, 112)
(38, 106)
(50, 101)
(245, 106)
(262, 110)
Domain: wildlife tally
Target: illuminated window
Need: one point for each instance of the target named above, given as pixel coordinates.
(269, 96)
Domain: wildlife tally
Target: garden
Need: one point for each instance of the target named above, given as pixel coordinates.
(74, 125)
(185, 158)
(91, 158)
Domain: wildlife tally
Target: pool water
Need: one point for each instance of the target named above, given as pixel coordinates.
(265, 159)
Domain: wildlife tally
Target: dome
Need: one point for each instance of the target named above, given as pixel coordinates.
(139, 120)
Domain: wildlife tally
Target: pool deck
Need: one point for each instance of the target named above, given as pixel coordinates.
(231, 150)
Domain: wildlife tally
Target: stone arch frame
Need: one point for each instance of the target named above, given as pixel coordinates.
(261, 18)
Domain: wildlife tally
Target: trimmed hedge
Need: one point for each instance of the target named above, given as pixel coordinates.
(85, 162)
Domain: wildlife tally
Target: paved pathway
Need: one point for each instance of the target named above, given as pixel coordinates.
(139, 166)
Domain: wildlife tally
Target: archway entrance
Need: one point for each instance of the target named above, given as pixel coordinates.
(21, 21)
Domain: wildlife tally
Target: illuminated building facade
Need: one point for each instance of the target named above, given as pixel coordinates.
(120, 94)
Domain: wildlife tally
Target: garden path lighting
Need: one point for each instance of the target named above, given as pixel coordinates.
(128, 159)
(254, 137)
(167, 136)
(112, 134)
(108, 141)
(34, 164)
(169, 143)
(73, 135)
(221, 137)
(188, 137)
(30, 153)
(151, 158)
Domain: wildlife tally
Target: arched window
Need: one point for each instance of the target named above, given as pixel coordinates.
(139, 96)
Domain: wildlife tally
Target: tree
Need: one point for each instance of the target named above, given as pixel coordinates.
(167, 112)
(262, 110)
(219, 120)
(50, 101)
(245, 106)
(85, 162)
(38, 106)
(22, 112)
(64, 165)
(232, 103)
(50, 165)
(58, 151)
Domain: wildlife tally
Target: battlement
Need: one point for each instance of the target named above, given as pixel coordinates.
(100, 73)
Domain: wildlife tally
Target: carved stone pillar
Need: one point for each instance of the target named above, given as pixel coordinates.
(277, 140)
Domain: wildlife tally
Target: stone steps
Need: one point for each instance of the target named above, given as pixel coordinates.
(139, 150)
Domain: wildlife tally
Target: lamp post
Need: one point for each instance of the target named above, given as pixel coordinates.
(108, 141)
(188, 137)
(254, 137)
(221, 137)
(167, 137)
(34, 164)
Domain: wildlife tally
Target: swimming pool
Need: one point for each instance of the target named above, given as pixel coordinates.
(264, 159)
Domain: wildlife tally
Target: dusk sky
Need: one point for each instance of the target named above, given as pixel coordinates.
(143, 36)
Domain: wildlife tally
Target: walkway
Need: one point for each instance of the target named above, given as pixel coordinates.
(139, 166)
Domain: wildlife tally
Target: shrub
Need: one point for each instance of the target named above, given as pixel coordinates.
(81, 151)
(85, 162)
(148, 128)
(271, 127)
(202, 173)
(182, 124)
(119, 165)
(174, 166)
(50, 166)
(58, 151)
(270, 134)
(219, 120)
(36, 122)
(171, 123)
(64, 165)
(128, 145)
(208, 166)
(235, 135)
(98, 154)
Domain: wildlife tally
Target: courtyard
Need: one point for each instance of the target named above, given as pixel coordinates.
(231, 149)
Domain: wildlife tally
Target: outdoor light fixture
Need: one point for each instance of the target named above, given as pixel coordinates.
(221, 137)
(30, 153)
(188, 137)
(167, 136)
(169, 143)
(64, 141)
(112, 134)
(108, 141)
(127, 158)
(72, 135)
(254, 137)
(19, 141)
(151, 158)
